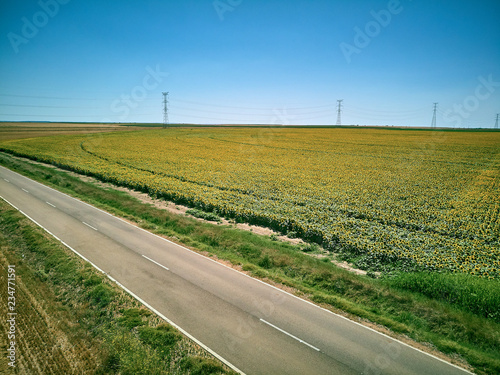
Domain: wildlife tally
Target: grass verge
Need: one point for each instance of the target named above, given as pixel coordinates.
(425, 314)
(72, 320)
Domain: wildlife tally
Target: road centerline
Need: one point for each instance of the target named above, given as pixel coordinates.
(90, 226)
(50, 204)
(155, 262)
(289, 334)
(23, 189)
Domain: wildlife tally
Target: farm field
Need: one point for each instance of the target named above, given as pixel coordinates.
(17, 130)
(416, 198)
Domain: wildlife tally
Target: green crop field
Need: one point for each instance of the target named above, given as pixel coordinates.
(419, 199)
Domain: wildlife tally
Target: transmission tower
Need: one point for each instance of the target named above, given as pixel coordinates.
(433, 124)
(339, 111)
(165, 110)
(496, 122)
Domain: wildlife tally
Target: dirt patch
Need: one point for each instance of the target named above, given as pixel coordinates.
(350, 268)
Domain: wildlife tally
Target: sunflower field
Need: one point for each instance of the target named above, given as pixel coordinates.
(428, 197)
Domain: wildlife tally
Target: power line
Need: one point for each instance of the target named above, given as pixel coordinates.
(118, 105)
(49, 97)
(249, 108)
(250, 114)
(65, 116)
(45, 106)
(149, 103)
(388, 111)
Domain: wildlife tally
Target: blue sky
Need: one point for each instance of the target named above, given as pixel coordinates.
(251, 61)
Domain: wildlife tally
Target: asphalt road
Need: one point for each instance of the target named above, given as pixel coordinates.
(254, 327)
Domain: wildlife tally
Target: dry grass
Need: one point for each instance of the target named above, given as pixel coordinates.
(46, 341)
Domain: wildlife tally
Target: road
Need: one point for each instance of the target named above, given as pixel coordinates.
(253, 327)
